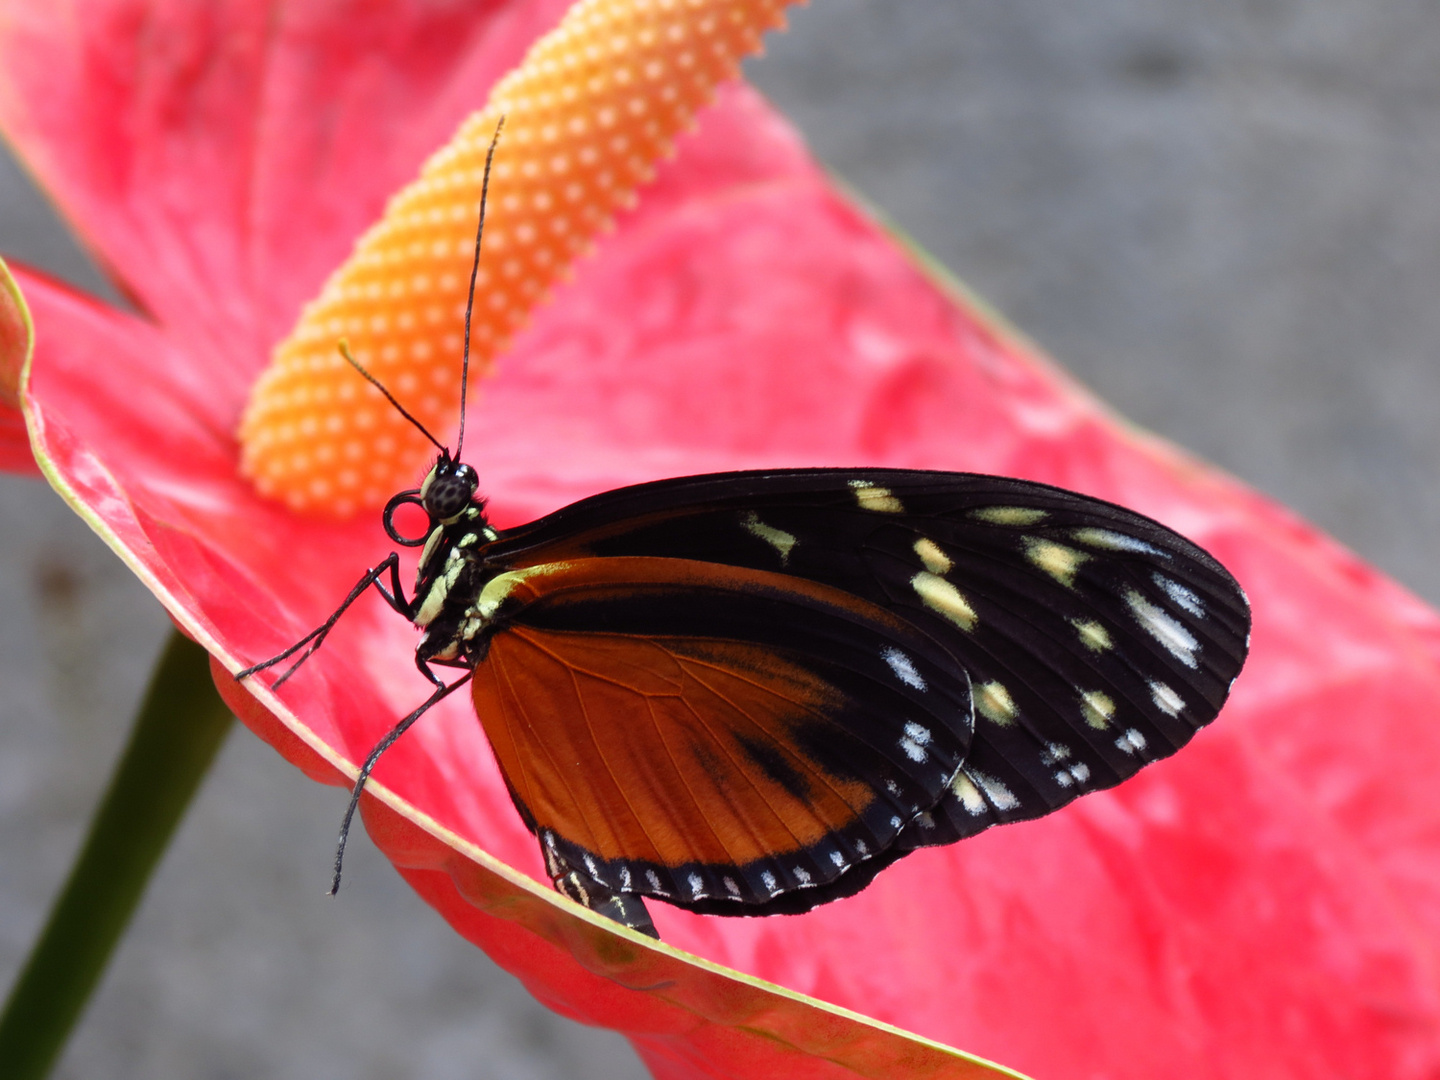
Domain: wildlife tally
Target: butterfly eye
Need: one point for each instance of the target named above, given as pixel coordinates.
(450, 490)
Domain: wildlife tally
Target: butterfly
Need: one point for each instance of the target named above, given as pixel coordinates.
(748, 693)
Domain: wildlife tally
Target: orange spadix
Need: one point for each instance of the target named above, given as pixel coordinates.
(587, 114)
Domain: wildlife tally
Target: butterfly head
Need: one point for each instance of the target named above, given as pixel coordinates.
(445, 495)
(448, 489)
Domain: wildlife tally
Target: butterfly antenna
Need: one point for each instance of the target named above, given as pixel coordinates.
(344, 347)
(474, 271)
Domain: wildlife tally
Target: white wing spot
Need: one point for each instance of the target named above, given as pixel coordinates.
(994, 702)
(1132, 742)
(895, 823)
(768, 880)
(1009, 515)
(1055, 752)
(1181, 596)
(943, 598)
(1074, 774)
(861, 849)
(913, 742)
(1057, 560)
(934, 560)
(873, 497)
(903, 667)
(1097, 707)
(999, 795)
(801, 875)
(592, 868)
(779, 539)
(1092, 635)
(1166, 700)
(968, 794)
(1114, 541)
(1163, 627)
(892, 787)
(696, 883)
(731, 887)
(625, 879)
(837, 859)
(654, 880)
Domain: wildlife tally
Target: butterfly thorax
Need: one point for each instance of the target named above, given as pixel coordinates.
(451, 574)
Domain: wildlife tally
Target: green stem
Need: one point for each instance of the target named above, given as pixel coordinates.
(180, 726)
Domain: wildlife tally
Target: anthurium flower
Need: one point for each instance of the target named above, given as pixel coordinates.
(16, 338)
(1267, 903)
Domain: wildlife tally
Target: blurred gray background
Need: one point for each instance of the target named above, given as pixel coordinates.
(1223, 216)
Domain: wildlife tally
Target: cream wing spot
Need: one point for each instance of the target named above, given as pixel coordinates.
(1098, 708)
(1164, 628)
(1009, 515)
(968, 794)
(931, 557)
(995, 702)
(945, 599)
(874, 497)
(1057, 560)
(779, 539)
(1092, 635)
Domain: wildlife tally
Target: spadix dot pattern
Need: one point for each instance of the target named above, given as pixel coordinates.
(589, 111)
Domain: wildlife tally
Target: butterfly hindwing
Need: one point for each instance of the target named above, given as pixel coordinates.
(1095, 639)
(716, 736)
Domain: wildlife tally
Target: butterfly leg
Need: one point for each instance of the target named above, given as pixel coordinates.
(369, 765)
(394, 597)
(625, 909)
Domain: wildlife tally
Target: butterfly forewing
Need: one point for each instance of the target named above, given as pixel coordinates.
(1095, 640)
(706, 733)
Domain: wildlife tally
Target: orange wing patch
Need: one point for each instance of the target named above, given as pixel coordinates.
(688, 729)
(665, 751)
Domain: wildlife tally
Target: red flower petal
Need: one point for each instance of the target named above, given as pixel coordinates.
(1267, 903)
(15, 341)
